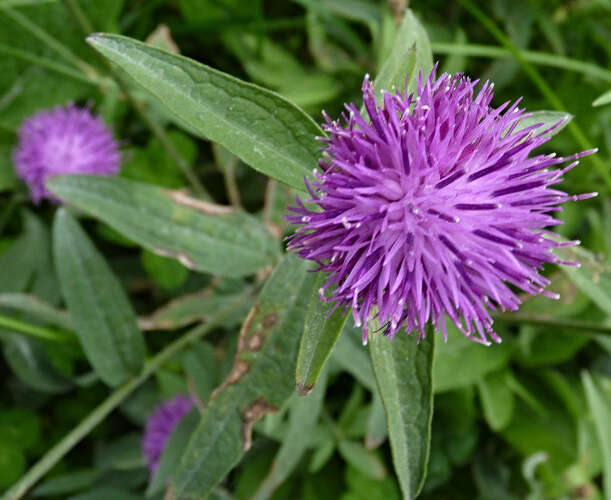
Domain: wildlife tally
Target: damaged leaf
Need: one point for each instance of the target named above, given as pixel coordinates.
(200, 235)
(261, 380)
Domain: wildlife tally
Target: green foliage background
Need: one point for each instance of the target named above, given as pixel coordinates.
(530, 418)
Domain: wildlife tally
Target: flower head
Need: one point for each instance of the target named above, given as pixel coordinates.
(63, 140)
(160, 425)
(432, 206)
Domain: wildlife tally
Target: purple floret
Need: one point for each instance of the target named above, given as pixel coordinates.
(432, 206)
(159, 427)
(63, 140)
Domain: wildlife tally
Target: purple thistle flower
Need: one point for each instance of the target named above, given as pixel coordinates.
(63, 140)
(160, 425)
(432, 207)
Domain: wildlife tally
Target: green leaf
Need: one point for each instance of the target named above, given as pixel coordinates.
(173, 450)
(320, 334)
(266, 131)
(30, 362)
(411, 53)
(475, 360)
(105, 322)
(26, 265)
(353, 10)
(36, 308)
(202, 236)
(603, 99)
(593, 277)
(168, 273)
(363, 487)
(599, 401)
(192, 308)
(377, 431)
(352, 357)
(274, 66)
(152, 164)
(261, 380)
(70, 482)
(304, 414)
(546, 119)
(404, 372)
(121, 454)
(200, 365)
(497, 399)
(368, 462)
(321, 456)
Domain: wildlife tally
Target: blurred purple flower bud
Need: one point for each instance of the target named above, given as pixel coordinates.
(63, 140)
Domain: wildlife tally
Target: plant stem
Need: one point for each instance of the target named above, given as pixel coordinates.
(539, 82)
(35, 331)
(75, 9)
(533, 56)
(71, 439)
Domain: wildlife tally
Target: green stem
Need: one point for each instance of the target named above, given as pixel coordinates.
(71, 439)
(47, 39)
(574, 325)
(81, 18)
(35, 331)
(539, 82)
(533, 56)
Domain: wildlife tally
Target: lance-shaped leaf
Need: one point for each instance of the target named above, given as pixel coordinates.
(320, 334)
(266, 131)
(411, 53)
(260, 381)
(104, 320)
(201, 235)
(403, 369)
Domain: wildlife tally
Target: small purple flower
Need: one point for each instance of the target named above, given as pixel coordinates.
(159, 427)
(432, 207)
(63, 140)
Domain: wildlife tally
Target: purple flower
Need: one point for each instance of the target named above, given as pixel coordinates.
(432, 207)
(159, 427)
(63, 140)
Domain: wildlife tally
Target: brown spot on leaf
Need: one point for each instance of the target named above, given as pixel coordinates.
(270, 320)
(255, 342)
(253, 412)
(238, 370)
(199, 205)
